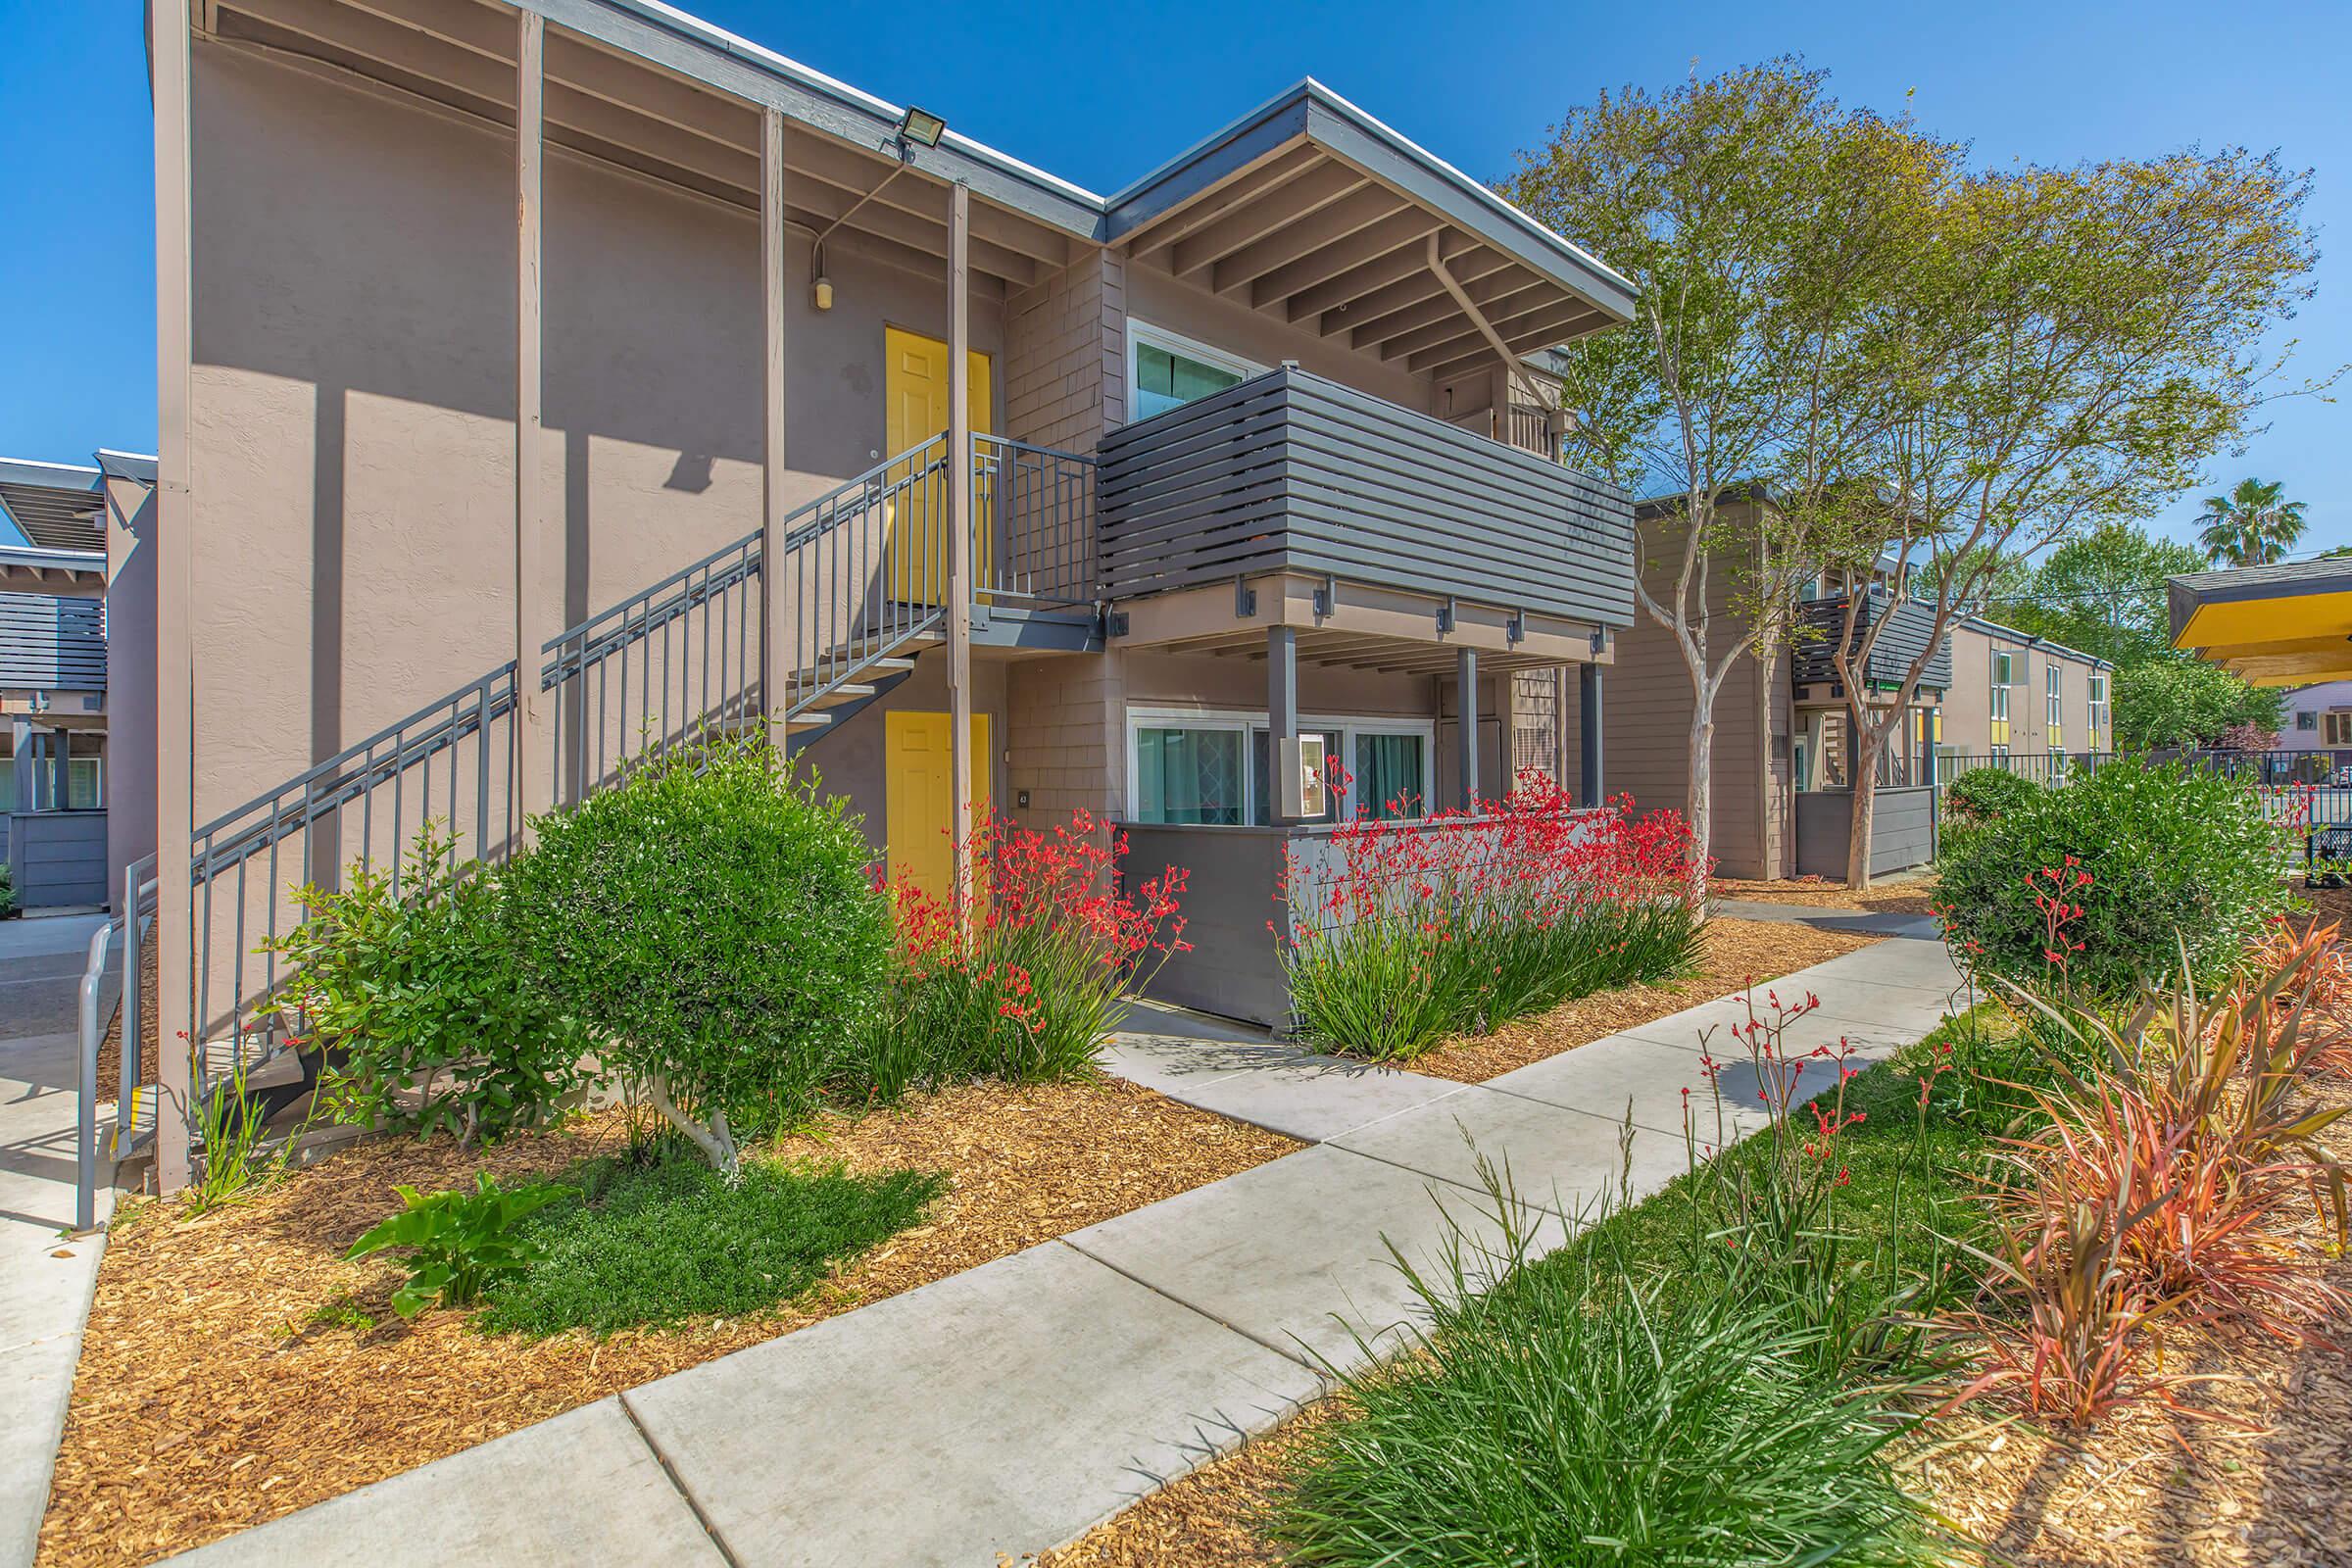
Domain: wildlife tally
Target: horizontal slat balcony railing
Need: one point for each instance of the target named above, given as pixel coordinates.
(1288, 472)
(1908, 625)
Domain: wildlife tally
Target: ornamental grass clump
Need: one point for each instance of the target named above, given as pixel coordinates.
(1023, 982)
(1395, 933)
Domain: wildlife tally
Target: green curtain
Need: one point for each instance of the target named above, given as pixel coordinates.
(1189, 776)
(1387, 776)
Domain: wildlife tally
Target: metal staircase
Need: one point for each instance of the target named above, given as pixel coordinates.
(862, 577)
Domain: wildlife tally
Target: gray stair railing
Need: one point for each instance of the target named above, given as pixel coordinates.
(1036, 508)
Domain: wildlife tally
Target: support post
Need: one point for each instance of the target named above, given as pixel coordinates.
(1588, 692)
(1465, 723)
(1283, 782)
(534, 764)
(960, 531)
(1559, 725)
(27, 795)
(776, 662)
(176, 1023)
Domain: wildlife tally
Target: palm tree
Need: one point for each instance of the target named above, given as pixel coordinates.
(2250, 526)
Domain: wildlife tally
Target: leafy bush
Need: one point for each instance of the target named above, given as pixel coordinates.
(1984, 794)
(462, 1242)
(711, 921)
(415, 991)
(1401, 933)
(1028, 986)
(2185, 701)
(8, 893)
(1573, 1417)
(659, 1244)
(2169, 859)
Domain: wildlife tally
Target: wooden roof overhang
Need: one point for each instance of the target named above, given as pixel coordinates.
(2282, 625)
(58, 505)
(650, 90)
(1311, 211)
(61, 574)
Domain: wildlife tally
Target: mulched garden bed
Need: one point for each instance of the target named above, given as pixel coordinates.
(1909, 894)
(1733, 952)
(235, 1368)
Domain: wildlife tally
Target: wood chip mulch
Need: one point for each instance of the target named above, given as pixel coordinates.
(224, 1378)
(1909, 894)
(110, 1049)
(2148, 1487)
(1734, 952)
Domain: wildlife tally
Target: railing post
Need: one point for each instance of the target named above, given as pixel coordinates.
(1286, 784)
(776, 664)
(960, 539)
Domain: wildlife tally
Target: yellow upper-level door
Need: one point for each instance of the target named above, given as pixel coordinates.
(915, 404)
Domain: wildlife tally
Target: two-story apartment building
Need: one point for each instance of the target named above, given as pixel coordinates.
(2015, 696)
(541, 381)
(71, 609)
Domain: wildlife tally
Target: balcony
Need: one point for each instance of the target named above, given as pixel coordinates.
(1908, 625)
(1378, 518)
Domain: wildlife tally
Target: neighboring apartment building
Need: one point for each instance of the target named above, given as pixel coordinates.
(585, 341)
(1782, 747)
(71, 609)
(2318, 718)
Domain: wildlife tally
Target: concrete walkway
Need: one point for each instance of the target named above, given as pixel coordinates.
(1864, 921)
(45, 1279)
(1008, 1408)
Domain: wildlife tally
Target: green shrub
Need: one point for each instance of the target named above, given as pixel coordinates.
(7, 894)
(419, 1000)
(711, 923)
(2151, 856)
(1573, 1417)
(461, 1242)
(1984, 794)
(659, 1244)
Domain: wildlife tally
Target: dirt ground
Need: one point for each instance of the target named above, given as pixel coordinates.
(235, 1368)
(1908, 894)
(1735, 953)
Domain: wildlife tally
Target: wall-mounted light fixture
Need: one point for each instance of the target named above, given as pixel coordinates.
(921, 127)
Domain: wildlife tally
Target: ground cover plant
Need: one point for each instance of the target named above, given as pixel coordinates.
(1395, 932)
(1022, 981)
(709, 920)
(2160, 860)
(627, 1244)
(412, 987)
(458, 1243)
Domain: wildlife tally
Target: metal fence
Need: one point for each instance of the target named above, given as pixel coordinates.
(1037, 507)
(2314, 787)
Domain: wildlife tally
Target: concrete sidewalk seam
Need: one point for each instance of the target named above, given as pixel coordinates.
(693, 1505)
(1297, 1354)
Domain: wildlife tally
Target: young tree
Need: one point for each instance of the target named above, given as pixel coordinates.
(2251, 525)
(2069, 345)
(2103, 593)
(1757, 220)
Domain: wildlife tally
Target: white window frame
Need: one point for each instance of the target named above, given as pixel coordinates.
(2098, 702)
(1140, 334)
(1247, 721)
(2054, 682)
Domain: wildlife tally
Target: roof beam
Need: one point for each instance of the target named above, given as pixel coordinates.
(1406, 270)
(1309, 193)
(1331, 226)
(1276, 172)
(1408, 225)
(1535, 329)
(1504, 283)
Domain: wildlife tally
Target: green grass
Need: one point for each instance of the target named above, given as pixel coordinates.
(665, 1243)
(1653, 1394)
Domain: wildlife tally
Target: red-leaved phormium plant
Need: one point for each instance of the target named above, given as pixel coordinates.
(1023, 982)
(1396, 930)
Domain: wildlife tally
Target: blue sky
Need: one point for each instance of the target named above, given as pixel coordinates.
(1099, 94)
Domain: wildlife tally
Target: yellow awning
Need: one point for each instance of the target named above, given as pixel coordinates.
(2285, 626)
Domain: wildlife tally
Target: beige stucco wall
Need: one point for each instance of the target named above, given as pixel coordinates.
(352, 407)
(131, 674)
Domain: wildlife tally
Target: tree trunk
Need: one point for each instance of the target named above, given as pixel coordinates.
(1863, 768)
(1698, 803)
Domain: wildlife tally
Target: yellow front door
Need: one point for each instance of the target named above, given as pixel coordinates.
(921, 794)
(916, 409)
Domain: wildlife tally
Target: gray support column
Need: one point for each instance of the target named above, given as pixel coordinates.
(20, 735)
(960, 533)
(1282, 721)
(1465, 725)
(533, 786)
(1588, 692)
(776, 663)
